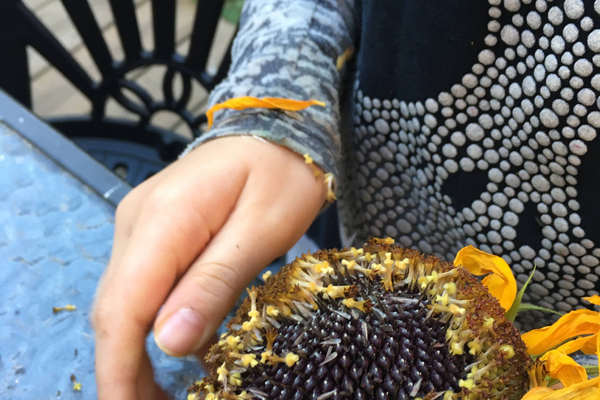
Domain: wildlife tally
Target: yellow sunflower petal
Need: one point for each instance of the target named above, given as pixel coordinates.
(595, 299)
(562, 367)
(587, 344)
(500, 282)
(588, 390)
(537, 393)
(575, 323)
(241, 103)
(598, 345)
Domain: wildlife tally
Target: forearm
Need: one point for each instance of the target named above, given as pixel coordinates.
(288, 49)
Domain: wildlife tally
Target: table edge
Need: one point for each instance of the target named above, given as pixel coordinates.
(62, 151)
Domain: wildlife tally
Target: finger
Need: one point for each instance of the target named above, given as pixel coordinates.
(259, 230)
(125, 217)
(171, 231)
(128, 212)
(147, 388)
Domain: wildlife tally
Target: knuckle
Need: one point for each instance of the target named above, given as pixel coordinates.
(100, 317)
(126, 207)
(218, 280)
(164, 198)
(122, 211)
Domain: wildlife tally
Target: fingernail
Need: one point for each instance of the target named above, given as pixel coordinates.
(181, 333)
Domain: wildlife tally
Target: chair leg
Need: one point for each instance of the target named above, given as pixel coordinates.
(14, 70)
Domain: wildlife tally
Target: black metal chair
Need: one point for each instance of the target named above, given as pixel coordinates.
(141, 147)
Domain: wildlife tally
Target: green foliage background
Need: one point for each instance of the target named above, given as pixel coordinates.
(231, 10)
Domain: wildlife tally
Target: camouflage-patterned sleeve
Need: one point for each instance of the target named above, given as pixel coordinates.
(288, 49)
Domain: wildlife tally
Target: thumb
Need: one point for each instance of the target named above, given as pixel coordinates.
(259, 230)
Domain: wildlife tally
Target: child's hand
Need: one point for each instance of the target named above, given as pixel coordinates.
(189, 240)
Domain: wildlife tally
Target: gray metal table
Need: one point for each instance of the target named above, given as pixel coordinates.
(55, 240)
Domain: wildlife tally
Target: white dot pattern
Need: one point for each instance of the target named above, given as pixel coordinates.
(521, 120)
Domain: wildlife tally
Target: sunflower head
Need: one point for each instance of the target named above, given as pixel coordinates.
(381, 322)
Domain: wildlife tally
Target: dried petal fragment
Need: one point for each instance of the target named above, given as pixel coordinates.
(341, 60)
(76, 385)
(241, 103)
(68, 307)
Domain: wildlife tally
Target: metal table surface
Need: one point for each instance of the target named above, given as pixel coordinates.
(55, 240)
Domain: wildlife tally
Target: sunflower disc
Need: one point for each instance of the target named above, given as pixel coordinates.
(381, 322)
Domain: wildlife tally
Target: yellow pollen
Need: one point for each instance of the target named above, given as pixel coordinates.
(387, 240)
(449, 334)
(272, 311)
(247, 326)
(508, 349)
(312, 286)
(489, 323)
(192, 396)
(210, 396)
(457, 349)
(388, 260)
(267, 275)
(448, 395)
(324, 267)
(475, 347)
(355, 252)
(450, 287)
(264, 356)
(233, 341)
(443, 300)
(351, 303)
(433, 277)
(336, 291)
(253, 313)
(349, 264)
(235, 379)
(468, 383)
(402, 265)
(454, 309)
(249, 359)
(291, 359)
(223, 372)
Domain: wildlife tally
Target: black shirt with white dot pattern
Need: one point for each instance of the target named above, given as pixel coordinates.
(476, 123)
